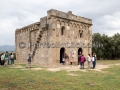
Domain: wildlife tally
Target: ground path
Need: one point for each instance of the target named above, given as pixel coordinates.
(68, 68)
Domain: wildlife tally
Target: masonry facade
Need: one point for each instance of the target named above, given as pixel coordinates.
(56, 34)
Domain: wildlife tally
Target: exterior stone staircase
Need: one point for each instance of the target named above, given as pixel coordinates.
(37, 42)
(43, 27)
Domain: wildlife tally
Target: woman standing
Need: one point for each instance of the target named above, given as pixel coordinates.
(12, 58)
(89, 60)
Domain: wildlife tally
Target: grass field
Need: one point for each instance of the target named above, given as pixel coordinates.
(20, 78)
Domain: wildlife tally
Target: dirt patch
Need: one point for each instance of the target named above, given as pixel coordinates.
(4, 89)
(68, 68)
(53, 69)
(117, 64)
(36, 68)
(100, 67)
(71, 74)
(17, 66)
(24, 69)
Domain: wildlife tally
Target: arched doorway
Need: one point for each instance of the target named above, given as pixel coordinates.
(79, 50)
(62, 51)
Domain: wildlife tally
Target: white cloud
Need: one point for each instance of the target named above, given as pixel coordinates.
(113, 21)
(108, 24)
(19, 13)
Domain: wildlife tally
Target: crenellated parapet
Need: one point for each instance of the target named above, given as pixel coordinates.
(68, 16)
(32, 27)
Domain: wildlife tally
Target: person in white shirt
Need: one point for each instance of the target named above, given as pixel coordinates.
(94, 60)
(2, 59)
(12, 58)
(89, 60)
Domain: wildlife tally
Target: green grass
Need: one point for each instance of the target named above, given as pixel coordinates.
(18, 79)
(105, 62)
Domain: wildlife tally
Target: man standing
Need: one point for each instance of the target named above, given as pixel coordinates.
(29, 61)
(94, 60)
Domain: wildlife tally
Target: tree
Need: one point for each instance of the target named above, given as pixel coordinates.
(106, 47)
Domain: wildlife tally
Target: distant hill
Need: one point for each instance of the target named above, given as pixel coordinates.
(7, 48)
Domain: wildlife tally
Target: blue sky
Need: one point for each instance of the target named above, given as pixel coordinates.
(105, 14)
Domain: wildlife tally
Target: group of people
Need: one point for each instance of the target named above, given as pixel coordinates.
(82, 59)
(5, 58)
(89, 59)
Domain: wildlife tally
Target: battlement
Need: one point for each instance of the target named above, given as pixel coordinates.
(30, 27)
(68, 16)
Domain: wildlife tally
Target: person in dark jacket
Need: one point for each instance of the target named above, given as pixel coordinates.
(82, 60)
(6, 55)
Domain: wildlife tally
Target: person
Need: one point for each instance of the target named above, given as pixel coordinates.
(6, 56)
(9, 60)
(89, 60)
(66, 57)
(29, 61)
(94, 60)
(63, 59)
(82, 60)
(12, 58)
(79, 55)
(2, 59)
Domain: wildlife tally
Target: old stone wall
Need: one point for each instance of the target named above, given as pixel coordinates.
(72, 26)
(62, 32)
(24, 40)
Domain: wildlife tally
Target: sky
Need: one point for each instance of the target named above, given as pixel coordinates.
(105, 15)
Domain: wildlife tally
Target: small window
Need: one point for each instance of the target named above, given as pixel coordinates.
(80, 33)
(62, 31)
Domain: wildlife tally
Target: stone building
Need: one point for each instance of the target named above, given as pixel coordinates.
(56, 34)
